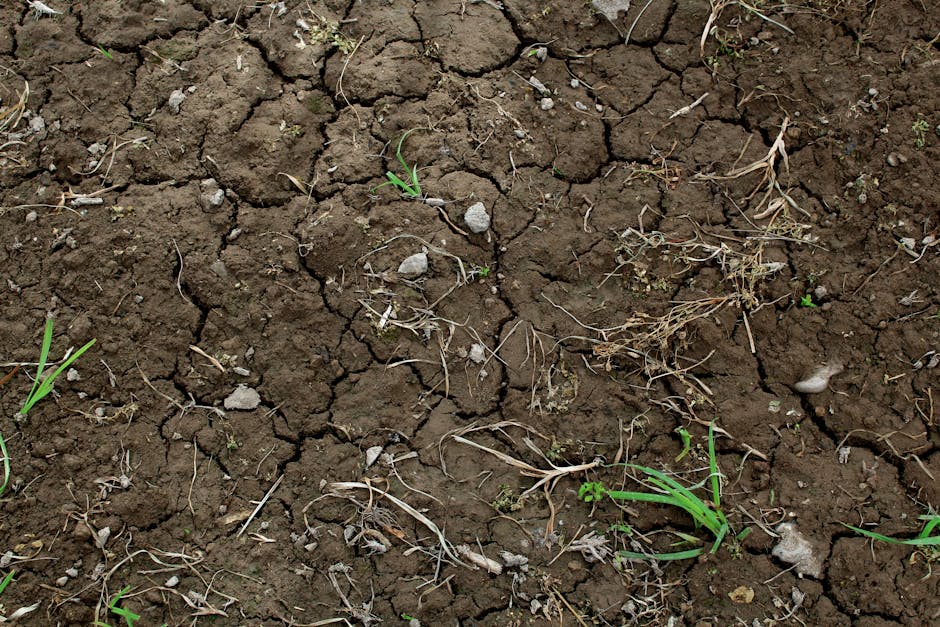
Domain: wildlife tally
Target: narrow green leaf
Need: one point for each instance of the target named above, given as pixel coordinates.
(6, 581)
(662, 557)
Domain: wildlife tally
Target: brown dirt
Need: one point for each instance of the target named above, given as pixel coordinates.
(203, 240)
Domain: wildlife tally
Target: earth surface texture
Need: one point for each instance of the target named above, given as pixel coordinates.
(281, 424)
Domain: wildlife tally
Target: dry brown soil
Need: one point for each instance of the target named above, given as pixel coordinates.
(638, 277)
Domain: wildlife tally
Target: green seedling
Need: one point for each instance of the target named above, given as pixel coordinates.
(920, 128)
(106, 53)
(807, 301)
(42, 387)
(921, 540)
(409, 187)
(3, 447)
(705, 513)
(686, 438)
(6, 581)
(129, 617)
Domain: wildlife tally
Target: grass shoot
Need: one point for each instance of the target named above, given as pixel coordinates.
(6, 581)
(705, 513)
(129, 617)
(409, 186)
(3, 450)
(42, 386)
(924, 539)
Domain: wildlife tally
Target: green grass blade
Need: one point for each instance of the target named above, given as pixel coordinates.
(45, 387)
(713, 467)
(932, 521)
(43, 355)
(719, 536)
(128, 616)
(6, 581)
(918, 541)
(646, 497)
(695, 506)
(662, 557)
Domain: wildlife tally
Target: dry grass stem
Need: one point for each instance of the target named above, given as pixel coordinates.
(345, 486)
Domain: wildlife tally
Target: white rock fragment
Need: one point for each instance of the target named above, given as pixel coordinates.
(611, 8)
(372, 454)
(547, 104)
(476, 218)
(172, 582)
(71, 572)
(539, 86)
(818, 381)
(37, 125)
(243, 397)
(794, 548)
(176, 100)
(580, 106)
(519, 133)
(32, 216)
(212, 195)
(72, 375)
(415, 265)
(477, 353)
(62, 581)
(102, 537)
(40, 8)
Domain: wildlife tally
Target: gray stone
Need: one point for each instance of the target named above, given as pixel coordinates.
(477, 354)
(476, 218)
(795, 549)
(176, 100)
(415, 265)
(243, 397)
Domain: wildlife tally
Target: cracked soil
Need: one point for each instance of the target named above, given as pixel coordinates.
(195, 185)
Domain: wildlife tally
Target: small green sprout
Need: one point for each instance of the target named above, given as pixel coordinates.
(42, 388)
(106, 53)
(922, 539)
(920, 128)
(592, 491)
(807, 301)
(129, 617)
(409, 187)
(6, 581)
(38, 392)
(686, 438)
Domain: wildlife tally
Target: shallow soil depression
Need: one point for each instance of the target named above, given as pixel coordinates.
(470, 312)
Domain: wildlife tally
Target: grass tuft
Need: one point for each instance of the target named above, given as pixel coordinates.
(922, 539)
(409, 186)
(42, 387)
(705, 513)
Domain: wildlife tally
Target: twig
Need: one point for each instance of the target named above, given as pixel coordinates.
(260, 505)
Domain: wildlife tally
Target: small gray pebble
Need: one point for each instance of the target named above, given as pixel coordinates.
(476, 218)
(243, 397)
(547, 103)
(415, 265)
